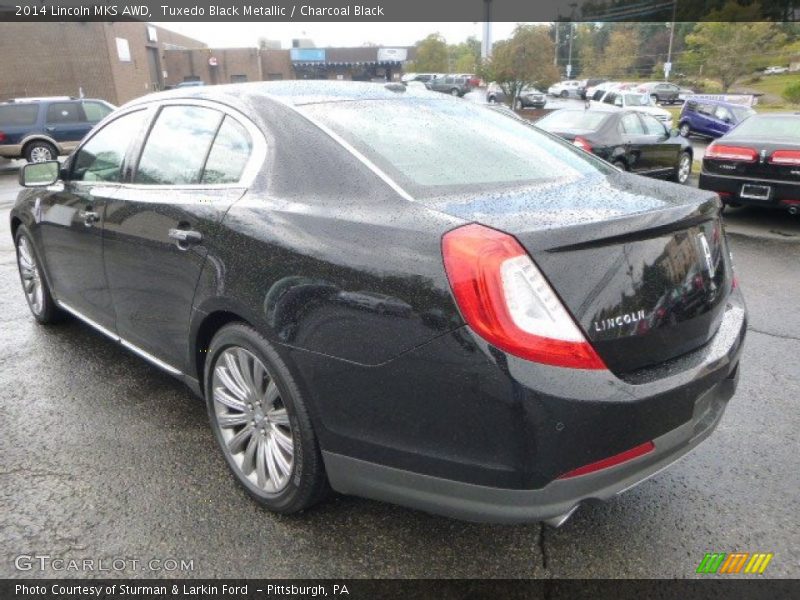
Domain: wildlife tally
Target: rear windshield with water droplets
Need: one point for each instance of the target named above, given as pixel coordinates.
(434, 147)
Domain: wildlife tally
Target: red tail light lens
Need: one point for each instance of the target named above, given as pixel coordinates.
(786, 157)
(582, 143)
(508, 302)
(735, 153)
(611, 461)
(2, 137)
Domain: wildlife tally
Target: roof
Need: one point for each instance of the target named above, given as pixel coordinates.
(297, 92)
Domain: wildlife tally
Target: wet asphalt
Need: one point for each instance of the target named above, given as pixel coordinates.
(104, 457)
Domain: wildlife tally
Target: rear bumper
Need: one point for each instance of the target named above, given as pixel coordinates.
(579, 419)
(555, 502)
(730, 188)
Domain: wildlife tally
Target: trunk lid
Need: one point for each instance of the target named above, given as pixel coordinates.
(642, 265)
(762, 168)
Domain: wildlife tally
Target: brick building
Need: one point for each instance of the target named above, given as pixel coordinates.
(113, 61)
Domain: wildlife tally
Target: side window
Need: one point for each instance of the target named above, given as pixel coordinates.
(229, 154)
(95, 112)
(14, 115)
(705, 109)
(631, 125)
(691, 106)
(610, 98)
(723, 114)
(177, 146)
(100, 159)
(65, 112)
(652, 126)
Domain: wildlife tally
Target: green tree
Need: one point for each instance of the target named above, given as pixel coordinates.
(431, 55)
(620, 54)
(729, 49)
(465, 57)
(791, 93)
(522, 60)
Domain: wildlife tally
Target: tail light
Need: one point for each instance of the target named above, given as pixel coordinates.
(508, 302)
(582, 143)
(786, 157)
(736, 153)
(2, 137)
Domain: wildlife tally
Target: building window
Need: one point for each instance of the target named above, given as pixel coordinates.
(238, 78)
(123, 50)
(152, 34)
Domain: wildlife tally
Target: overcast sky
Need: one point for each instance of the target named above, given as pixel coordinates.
(235, 35)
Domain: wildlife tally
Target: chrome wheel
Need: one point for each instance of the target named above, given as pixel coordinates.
(252, 419)
(31, 278)
(684, 168)
(41, 154)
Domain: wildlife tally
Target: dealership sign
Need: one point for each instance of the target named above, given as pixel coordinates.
(307, 54)
(743, 99)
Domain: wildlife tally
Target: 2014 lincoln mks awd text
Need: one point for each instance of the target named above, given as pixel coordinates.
(394, 293)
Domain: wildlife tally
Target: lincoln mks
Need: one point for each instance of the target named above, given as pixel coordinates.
(393, 293)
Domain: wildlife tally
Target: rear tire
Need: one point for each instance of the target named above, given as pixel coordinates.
(261, 422)
(40, 151)
(34, 284)
(564, 94)
(684, 168)
(685, 130)
(620, 165)
(654, 98)
(454, 92)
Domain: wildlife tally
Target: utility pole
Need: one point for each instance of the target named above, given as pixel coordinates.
(555, 59)
(486, 41)
(571, 36)
(668, 64)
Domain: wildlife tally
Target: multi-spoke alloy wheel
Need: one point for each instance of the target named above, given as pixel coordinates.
(253, 420)
(31, 278)
(684, 168)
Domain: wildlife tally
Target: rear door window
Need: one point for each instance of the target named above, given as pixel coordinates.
(12, 115)
(178, 145)
(652, 126)
(631, 125)
(65, 112)
(229, 153)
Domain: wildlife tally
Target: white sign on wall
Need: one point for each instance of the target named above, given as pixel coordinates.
(392, 54)
(123, 50)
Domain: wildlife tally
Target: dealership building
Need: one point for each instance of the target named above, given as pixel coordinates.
(123, 60)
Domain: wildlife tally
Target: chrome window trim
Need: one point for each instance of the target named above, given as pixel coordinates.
(125, 343)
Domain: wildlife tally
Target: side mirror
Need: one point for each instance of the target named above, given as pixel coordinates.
(39, 174)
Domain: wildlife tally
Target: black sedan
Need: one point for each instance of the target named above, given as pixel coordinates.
(757, 163)
(632, 141)
(393, 294)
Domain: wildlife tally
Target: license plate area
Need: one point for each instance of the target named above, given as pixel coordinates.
(755, 192)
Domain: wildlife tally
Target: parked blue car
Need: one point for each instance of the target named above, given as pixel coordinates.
(710, 118)
(40, 129)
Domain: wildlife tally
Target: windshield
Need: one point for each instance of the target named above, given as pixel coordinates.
(768, 127)
(436, 147)
(637, 100)
(573, 119)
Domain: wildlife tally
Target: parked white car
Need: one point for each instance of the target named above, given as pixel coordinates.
(566, 89)
(775, 70)
(635, 101)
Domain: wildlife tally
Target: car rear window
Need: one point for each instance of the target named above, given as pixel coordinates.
(768, 127)
(18, 114)
(573, 119)
(434, 148)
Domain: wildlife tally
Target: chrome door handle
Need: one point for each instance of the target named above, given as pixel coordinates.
(184, 237)
(89, 217)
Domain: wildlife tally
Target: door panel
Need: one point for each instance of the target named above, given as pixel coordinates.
(66, 122)
(71, 224)
(152, 276)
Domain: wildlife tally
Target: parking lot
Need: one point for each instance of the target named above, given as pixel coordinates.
(104, 456)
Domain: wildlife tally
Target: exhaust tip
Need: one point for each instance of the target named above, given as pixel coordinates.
(559, 520)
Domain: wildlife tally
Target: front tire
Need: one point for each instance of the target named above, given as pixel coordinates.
(564, 94)
(454, 92)
(620, 165)
(517, 104)
(685, 130)
(654, 98)
(34, 284)
(261, 422)
(40, 151)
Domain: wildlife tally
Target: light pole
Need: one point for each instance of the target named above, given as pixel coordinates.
(486, 41)
(668, 64)
(571, 36)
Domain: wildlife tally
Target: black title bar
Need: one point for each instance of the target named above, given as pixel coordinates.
(396, 10)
